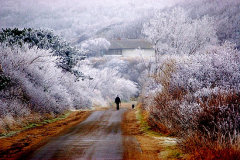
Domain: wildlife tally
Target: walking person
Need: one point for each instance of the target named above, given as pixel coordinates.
(117, 101)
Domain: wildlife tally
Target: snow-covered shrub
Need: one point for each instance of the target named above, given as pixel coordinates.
(220, 114)
(193, 85)
(35, 71)
(2, 126)
(78, 95)
(36, 79)
(9, 121)
(219, 67)
(14, 107)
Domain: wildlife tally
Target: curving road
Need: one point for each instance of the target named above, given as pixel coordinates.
(98, 137)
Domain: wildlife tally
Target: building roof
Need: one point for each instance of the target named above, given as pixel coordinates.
(130, 44)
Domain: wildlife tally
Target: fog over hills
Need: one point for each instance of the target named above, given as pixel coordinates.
(72, 19)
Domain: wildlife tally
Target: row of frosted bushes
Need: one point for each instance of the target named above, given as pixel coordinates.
(32, 83)
(197, 98)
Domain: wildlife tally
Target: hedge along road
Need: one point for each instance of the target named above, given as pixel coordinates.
(98, 137)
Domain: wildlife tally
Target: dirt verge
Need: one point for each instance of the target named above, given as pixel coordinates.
(24, 142)
(140, 145)
(145, 147)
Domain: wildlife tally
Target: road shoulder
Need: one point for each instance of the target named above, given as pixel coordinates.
(141, 145)
(137, 145)
(17, 146)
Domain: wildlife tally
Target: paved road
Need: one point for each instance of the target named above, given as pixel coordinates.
(98, 137)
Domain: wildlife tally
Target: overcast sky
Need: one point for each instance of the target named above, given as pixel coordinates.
(71, 17)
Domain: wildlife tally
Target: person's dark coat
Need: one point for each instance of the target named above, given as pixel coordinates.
(117, 100)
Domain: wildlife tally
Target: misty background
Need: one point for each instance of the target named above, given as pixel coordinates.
(78, 20)
(50, 65)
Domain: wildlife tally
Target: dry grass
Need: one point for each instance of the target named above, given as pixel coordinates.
(213, 130)
(25, 142)
(10, 125)
(199, 147)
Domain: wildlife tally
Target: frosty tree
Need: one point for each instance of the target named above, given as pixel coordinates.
(175, 33)
(94, 47)
(43, 39)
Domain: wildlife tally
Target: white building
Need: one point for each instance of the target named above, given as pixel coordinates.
(130, 48)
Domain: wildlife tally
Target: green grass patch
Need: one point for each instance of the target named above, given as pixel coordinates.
(47, 121)
(144, 124)
(9, 134)
(32, 125)
(171, 153)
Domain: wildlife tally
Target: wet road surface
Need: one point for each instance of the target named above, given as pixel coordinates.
(98, 137)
